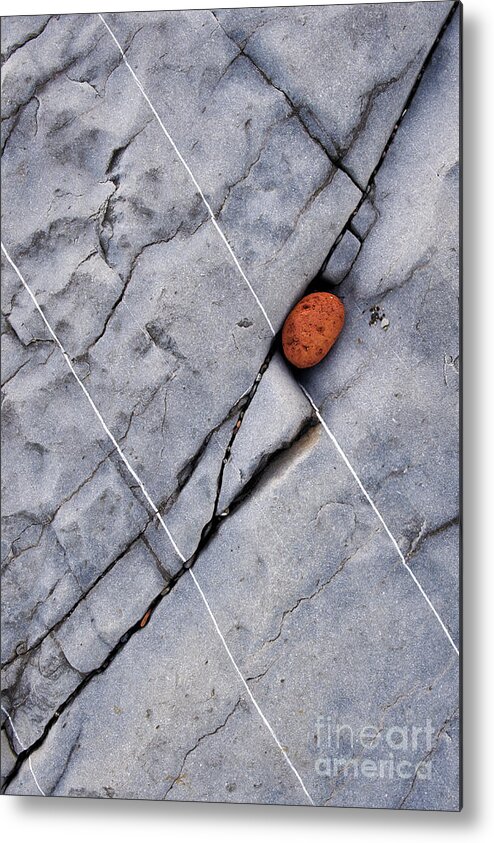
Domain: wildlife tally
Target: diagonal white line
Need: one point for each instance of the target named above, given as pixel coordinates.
(155, 509)
(93, 405)
(191, 174)
(137, 478)
(381, 519)
(14, 730)
(324, 425)
(261, 715)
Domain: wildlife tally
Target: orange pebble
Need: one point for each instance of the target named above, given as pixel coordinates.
(312, 328)
(145, 618)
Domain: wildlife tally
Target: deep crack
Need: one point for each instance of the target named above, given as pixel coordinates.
(295, 110)
(408, 102)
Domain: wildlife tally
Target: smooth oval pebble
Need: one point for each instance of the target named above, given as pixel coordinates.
(312, 328)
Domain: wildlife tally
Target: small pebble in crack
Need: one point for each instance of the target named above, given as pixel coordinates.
(145, 619)
(312, 328)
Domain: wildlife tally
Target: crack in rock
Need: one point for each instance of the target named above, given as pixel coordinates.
(367, 101)
(216, 518)
(370, 182)
(206, 535)
(442, 731)
(75, 746)
(179, 777)
(30, 37)
(307, 597)
(418, 688)
(423, 534)
(305, 117)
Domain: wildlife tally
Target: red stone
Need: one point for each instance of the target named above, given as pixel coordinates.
(312, 328)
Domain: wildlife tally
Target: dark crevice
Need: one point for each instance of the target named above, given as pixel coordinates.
(319, 283)
(187, 470)
(266, 463)
(56, 626)
(298, 111)
(209, 529)
(367, 104)
(217, 519)
(262, 674)
(14, 690)
(355, 233)
(336, 161)
(183, 477)
(370, 182)
(207, 533)
(265, 460)
(31, 37)
(47, 522)
(25, 753)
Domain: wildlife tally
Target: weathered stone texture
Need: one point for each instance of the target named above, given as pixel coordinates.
(282, 114)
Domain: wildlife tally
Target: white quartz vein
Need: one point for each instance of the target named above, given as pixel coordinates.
(14, 731)
(309, 397)
(156, 511)
(191, 174)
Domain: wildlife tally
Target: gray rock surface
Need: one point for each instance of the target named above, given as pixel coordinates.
(364, 219)
(342, 259)
(42, 411)
(7, 756)
(17, 31)
(389, 390)
(110, 609)
(280, 584)
(33, 687)
(280, 113)
(153, 345)
(159, 681)
(365, 58)
(277, 415)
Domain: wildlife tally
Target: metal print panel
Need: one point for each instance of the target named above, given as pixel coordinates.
(230, 336)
